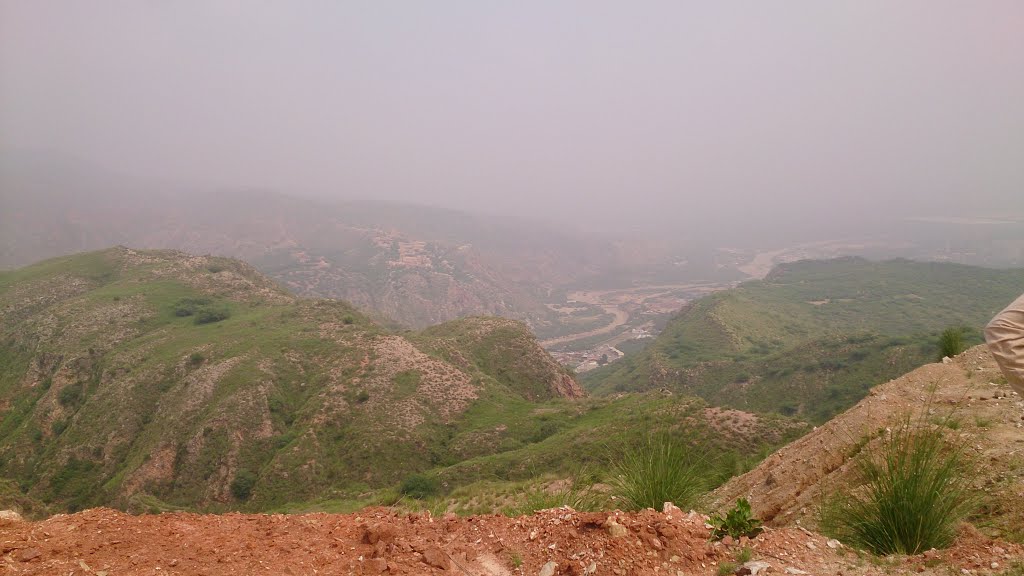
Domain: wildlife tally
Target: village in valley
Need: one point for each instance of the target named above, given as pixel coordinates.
(633, 317)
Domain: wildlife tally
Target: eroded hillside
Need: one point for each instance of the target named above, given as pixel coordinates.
(967, 397)
(198, 381)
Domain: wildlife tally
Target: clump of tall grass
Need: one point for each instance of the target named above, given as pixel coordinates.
(951, 342)
(915, 492)
(661, 469)
(579, 497)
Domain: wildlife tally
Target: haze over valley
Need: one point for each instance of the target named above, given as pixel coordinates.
(537, 288)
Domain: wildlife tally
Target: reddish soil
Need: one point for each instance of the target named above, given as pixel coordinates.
(378, 540)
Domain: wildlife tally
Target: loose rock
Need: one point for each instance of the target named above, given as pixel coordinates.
(434, 556)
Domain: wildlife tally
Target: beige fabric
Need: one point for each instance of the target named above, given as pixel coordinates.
(1005, 338)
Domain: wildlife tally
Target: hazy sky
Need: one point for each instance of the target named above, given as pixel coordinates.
(714, 110)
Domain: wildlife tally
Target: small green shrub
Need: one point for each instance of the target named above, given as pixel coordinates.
(70, 394)
(660, 470)
(201, 309)
(420, 486)
(726, 568)
(242, 485)
(738, 522)
(951, 342)
(915, 492)
(195, 359)
(211, 315)
(579, 495)
(189, 306)
(58, 427)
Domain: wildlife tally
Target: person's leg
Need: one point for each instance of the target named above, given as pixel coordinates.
(1005, 338)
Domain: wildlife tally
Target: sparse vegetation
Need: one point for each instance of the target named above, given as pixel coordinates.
(420, 486)
(58, 427)
(738, 522)
(726, 568)
(764, 344)
(71, 394)
(202, 310)
(242, 485)
(951, 342)
(578, 494)
(211, 315)
(189, 306)
(661, 469)
(915, 491)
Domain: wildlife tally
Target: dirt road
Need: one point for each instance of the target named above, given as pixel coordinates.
(620, 317)
(613, 302)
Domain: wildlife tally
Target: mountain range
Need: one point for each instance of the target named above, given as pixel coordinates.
(413, 265)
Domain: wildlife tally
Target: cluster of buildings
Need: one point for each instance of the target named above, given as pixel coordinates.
(589, 359)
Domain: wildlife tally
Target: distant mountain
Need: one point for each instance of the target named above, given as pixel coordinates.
(813, 336)
(415, 265)
(196, 380)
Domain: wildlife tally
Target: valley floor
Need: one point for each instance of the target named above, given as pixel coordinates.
(378, 540)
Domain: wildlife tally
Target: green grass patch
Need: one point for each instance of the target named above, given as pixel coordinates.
(915, 491)
(661, 469)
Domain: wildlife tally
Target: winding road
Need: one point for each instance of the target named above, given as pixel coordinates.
(612, 302)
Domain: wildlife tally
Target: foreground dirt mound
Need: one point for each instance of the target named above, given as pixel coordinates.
(379, 541)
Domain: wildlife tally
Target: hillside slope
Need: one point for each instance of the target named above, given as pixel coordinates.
(131, 374)
(968, 393)
(785, 490)
(813, 336)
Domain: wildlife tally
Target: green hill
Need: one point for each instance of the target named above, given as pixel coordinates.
(813, 336)
(187, 377)
(157, 379)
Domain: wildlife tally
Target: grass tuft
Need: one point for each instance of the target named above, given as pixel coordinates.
(915, 493)
(660, 470)
(951, 342)
(578, 495)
